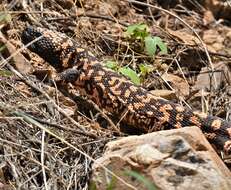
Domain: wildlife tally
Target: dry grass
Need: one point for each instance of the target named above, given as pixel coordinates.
(45, 142)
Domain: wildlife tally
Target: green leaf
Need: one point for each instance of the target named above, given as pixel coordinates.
(5, 17)
(112, 183)
(92, 186)
(5, 73)
(112, 65)
(132, 75)
(137, 30)
(142, 179)
(150, 45)
(130, 29)
(2, 47)
(161, 45)
(136, 27)
(145, 69)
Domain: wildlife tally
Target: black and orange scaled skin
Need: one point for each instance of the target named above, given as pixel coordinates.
(115, 93)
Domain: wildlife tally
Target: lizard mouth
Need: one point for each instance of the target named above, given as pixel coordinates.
(29, 34)
(39, 42)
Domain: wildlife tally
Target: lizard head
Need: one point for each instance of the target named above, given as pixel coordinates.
(54, 47)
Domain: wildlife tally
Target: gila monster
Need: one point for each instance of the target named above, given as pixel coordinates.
(116, 94)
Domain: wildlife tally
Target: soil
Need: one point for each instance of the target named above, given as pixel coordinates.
(49, 139)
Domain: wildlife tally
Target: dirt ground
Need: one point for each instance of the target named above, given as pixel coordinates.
(49, 139)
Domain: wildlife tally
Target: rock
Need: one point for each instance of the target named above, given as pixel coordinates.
(168, 160)
(220, 78)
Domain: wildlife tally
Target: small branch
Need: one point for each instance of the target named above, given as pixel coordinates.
(30, 120)
(42, 159)
(90, 15)
(29, 83)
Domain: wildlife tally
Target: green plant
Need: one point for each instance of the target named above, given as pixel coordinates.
(2, 47)
(112, 65)
(4, 17)
(141, 33)
(147, 183)
(137, 31)
(110, 186)
(151, 44)
(92, 186)
(148, 43)
(112, 183)
(145, 69)
(5, 73)
(128, 72)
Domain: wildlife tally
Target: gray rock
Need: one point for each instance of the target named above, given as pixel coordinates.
(176, 159)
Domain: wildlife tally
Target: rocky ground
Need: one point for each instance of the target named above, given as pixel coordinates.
(49, 140)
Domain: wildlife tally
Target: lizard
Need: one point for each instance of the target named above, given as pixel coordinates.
(116, 94)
